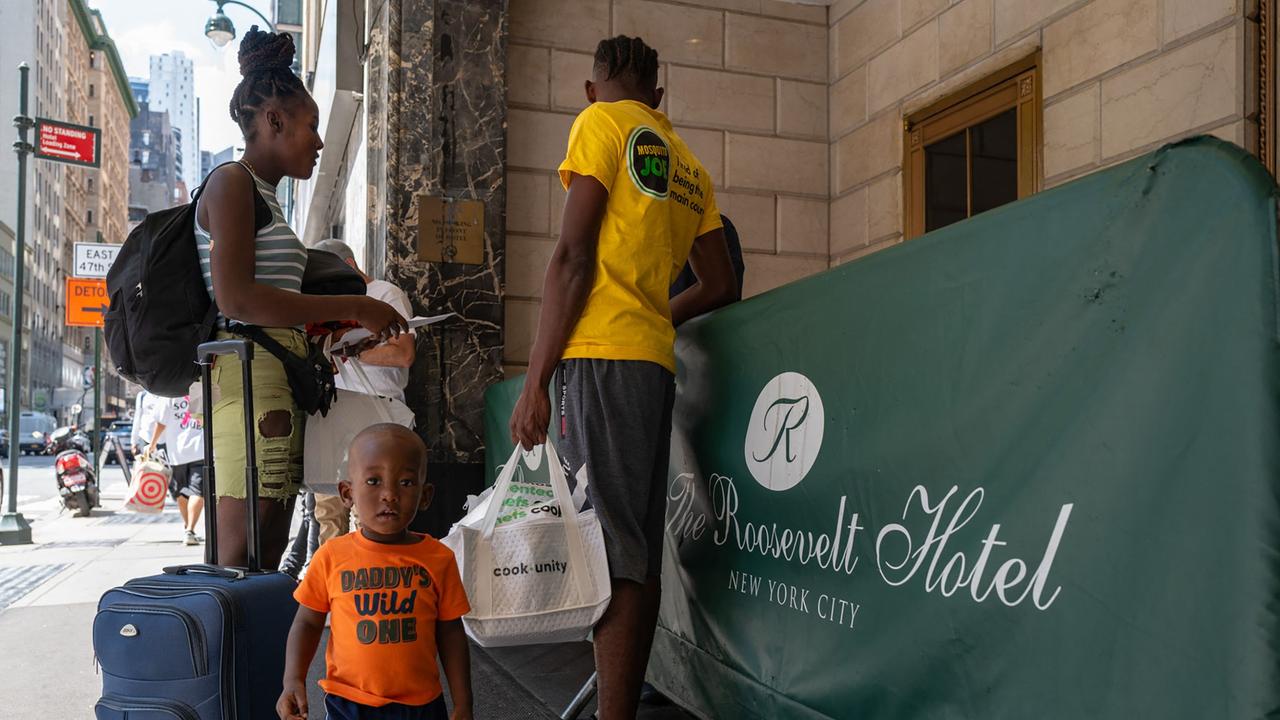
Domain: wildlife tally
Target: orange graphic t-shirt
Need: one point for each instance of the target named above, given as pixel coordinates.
(384, 602)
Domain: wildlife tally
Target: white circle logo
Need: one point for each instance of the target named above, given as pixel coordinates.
(785, 433)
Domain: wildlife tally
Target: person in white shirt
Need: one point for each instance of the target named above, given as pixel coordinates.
(145, 412)
(387, 366)
(183, 436)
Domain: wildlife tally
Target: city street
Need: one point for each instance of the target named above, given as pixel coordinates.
(36, 482)
(49, 590)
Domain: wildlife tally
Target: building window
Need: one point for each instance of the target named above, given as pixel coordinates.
(91, 121)
(289, 12)
(973, 151)
(89, 217)
(90, 185)
(93, 59)
(91, 90)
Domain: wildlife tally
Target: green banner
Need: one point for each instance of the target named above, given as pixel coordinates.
(1022, 467)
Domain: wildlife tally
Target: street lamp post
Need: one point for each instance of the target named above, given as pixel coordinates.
(14, 529)
(219, 28)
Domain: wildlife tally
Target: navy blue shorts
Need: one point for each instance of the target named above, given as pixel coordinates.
(339, 708)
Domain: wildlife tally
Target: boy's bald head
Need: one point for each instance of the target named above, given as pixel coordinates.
(390, 437)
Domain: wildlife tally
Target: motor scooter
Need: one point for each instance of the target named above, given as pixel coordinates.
(59, 440)
(76, 482)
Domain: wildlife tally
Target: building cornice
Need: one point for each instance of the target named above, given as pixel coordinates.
(102, 42)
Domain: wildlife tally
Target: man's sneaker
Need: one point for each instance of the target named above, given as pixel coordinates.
(192, 539)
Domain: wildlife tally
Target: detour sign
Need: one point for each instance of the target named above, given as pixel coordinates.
(86, 301)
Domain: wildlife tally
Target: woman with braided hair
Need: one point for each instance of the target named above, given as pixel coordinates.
(254, 272)
(639, 205)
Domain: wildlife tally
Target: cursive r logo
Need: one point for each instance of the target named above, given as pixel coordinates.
(785, 431)
(793, 412)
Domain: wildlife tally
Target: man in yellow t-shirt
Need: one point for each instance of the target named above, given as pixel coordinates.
(639, 205)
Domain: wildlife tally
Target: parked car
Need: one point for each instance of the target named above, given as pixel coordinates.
(33, 432)
(4, 442)
(120, 431)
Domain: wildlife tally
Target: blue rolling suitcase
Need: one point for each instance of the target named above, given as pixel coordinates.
(199, 642)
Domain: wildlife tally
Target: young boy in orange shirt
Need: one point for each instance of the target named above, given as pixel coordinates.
(395, 598)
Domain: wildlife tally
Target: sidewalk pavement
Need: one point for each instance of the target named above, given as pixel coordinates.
(49, 593)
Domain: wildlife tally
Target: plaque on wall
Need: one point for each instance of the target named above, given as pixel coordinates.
(450, 231)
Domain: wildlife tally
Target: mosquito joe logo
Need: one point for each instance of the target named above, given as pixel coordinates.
(649, 162)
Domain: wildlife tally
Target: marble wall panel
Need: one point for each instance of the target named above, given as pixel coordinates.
(437, 116)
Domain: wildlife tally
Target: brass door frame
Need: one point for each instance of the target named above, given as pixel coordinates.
(1265, 88)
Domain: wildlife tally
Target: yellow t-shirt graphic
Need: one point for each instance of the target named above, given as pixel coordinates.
(660, 199)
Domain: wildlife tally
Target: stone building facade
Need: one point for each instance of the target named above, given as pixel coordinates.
(804, 111)
(1117, 79)
(42, 46)
(111, 109)
(152, 176)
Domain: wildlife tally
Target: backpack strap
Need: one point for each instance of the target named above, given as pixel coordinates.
(262, 216)
(259, 336)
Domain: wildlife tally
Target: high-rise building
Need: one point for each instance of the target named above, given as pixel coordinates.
(153, 181)
(75, 76)
(210, 160)
(41, 44)
(6, 313)
(172, 90)
(98, 94)
(141, 89)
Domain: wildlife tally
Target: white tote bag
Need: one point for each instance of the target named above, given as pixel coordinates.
(328, 437)
(538, 576)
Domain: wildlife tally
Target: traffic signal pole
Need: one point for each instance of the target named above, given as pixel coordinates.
(14, 529)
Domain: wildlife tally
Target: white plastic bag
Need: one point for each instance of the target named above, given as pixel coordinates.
(328, 437)
(148, 485)
(534, 573)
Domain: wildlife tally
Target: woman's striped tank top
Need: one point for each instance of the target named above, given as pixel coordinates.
(279, 256)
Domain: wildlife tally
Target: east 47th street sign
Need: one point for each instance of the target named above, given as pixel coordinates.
(68, 143)
(86, 301)
(93, 260)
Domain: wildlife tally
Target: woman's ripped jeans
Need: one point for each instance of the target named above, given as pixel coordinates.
(278, 423)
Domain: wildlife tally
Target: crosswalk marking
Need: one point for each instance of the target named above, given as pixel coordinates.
(17, 581)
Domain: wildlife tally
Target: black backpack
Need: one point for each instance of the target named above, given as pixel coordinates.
(160, 310)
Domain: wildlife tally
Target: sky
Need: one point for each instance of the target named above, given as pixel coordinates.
(142, 28)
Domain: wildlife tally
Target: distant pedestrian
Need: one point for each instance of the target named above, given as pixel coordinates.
(145, 413)
(183, 436)
(394, 599)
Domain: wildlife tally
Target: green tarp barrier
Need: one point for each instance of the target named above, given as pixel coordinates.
(1022, 467)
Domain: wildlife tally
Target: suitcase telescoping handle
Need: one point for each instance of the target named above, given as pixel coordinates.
(207, 352)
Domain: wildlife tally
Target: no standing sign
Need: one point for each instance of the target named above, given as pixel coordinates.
(68, 143)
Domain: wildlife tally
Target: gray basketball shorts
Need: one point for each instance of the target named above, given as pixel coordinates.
(614, 418)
